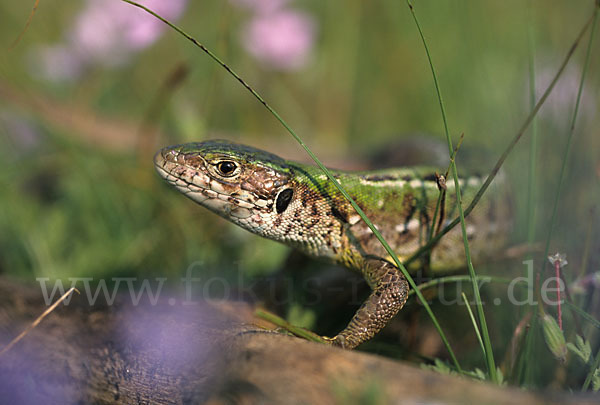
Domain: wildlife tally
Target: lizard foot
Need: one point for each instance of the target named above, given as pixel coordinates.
(337, 341)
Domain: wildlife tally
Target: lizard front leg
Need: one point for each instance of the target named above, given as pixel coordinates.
(388, 295)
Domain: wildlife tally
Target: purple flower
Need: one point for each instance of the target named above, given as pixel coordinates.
(56, 63)
(104, 26)
(107, 33)
(589, 281)
(23, 133)
(281, 40)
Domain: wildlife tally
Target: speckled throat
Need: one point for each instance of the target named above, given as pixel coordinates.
(297, 205)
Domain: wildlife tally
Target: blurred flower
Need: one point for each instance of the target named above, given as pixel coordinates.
(281, 40)
(559, 106)
(58, 63)
(582, 285)
(22, 133)
(261, 6)
(106, 33)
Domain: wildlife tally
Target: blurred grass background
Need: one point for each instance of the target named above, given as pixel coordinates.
(78, 192)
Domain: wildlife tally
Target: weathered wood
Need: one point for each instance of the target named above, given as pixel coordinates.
(211, 352)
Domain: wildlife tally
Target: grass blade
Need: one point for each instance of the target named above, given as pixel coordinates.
(570, 136)
(474, 322)
(590, 375)
(459, 279)
(531, 195)
(481, 315)
(322, 167)
(593, 321)
(282, 323)
(509, 148)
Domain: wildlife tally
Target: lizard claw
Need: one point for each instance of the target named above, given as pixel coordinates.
(337, 341)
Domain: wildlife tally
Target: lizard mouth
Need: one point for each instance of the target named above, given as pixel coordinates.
(187, 173)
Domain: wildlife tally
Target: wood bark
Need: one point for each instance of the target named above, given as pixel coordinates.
(215, 353)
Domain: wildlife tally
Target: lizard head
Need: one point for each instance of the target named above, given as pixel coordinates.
(247, 186)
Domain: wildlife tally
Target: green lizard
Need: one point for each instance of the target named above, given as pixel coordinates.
(295, 204)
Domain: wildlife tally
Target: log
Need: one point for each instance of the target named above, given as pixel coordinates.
(210, 352)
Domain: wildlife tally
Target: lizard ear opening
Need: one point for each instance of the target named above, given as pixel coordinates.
(283, 200)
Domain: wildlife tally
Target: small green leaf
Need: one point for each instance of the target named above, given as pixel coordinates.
(581, 348)
(440, 367)
(554, 338)
(596, 380)
(576, 351)
(585, 347)
(500, 377)
(480, 374)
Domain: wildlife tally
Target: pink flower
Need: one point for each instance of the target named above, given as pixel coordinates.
(56, 63)
(281, 40)
(261, 6)
(107, 33)
(106, 26)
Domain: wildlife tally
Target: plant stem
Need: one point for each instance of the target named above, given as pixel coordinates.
(508, 149)
(481, 315)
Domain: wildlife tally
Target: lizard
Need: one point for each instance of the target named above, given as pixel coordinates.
(297, 205)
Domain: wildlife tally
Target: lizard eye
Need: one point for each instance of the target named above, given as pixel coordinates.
(283, 200)
(227, 168)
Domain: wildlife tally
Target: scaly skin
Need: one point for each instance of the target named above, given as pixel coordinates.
(295, 204)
